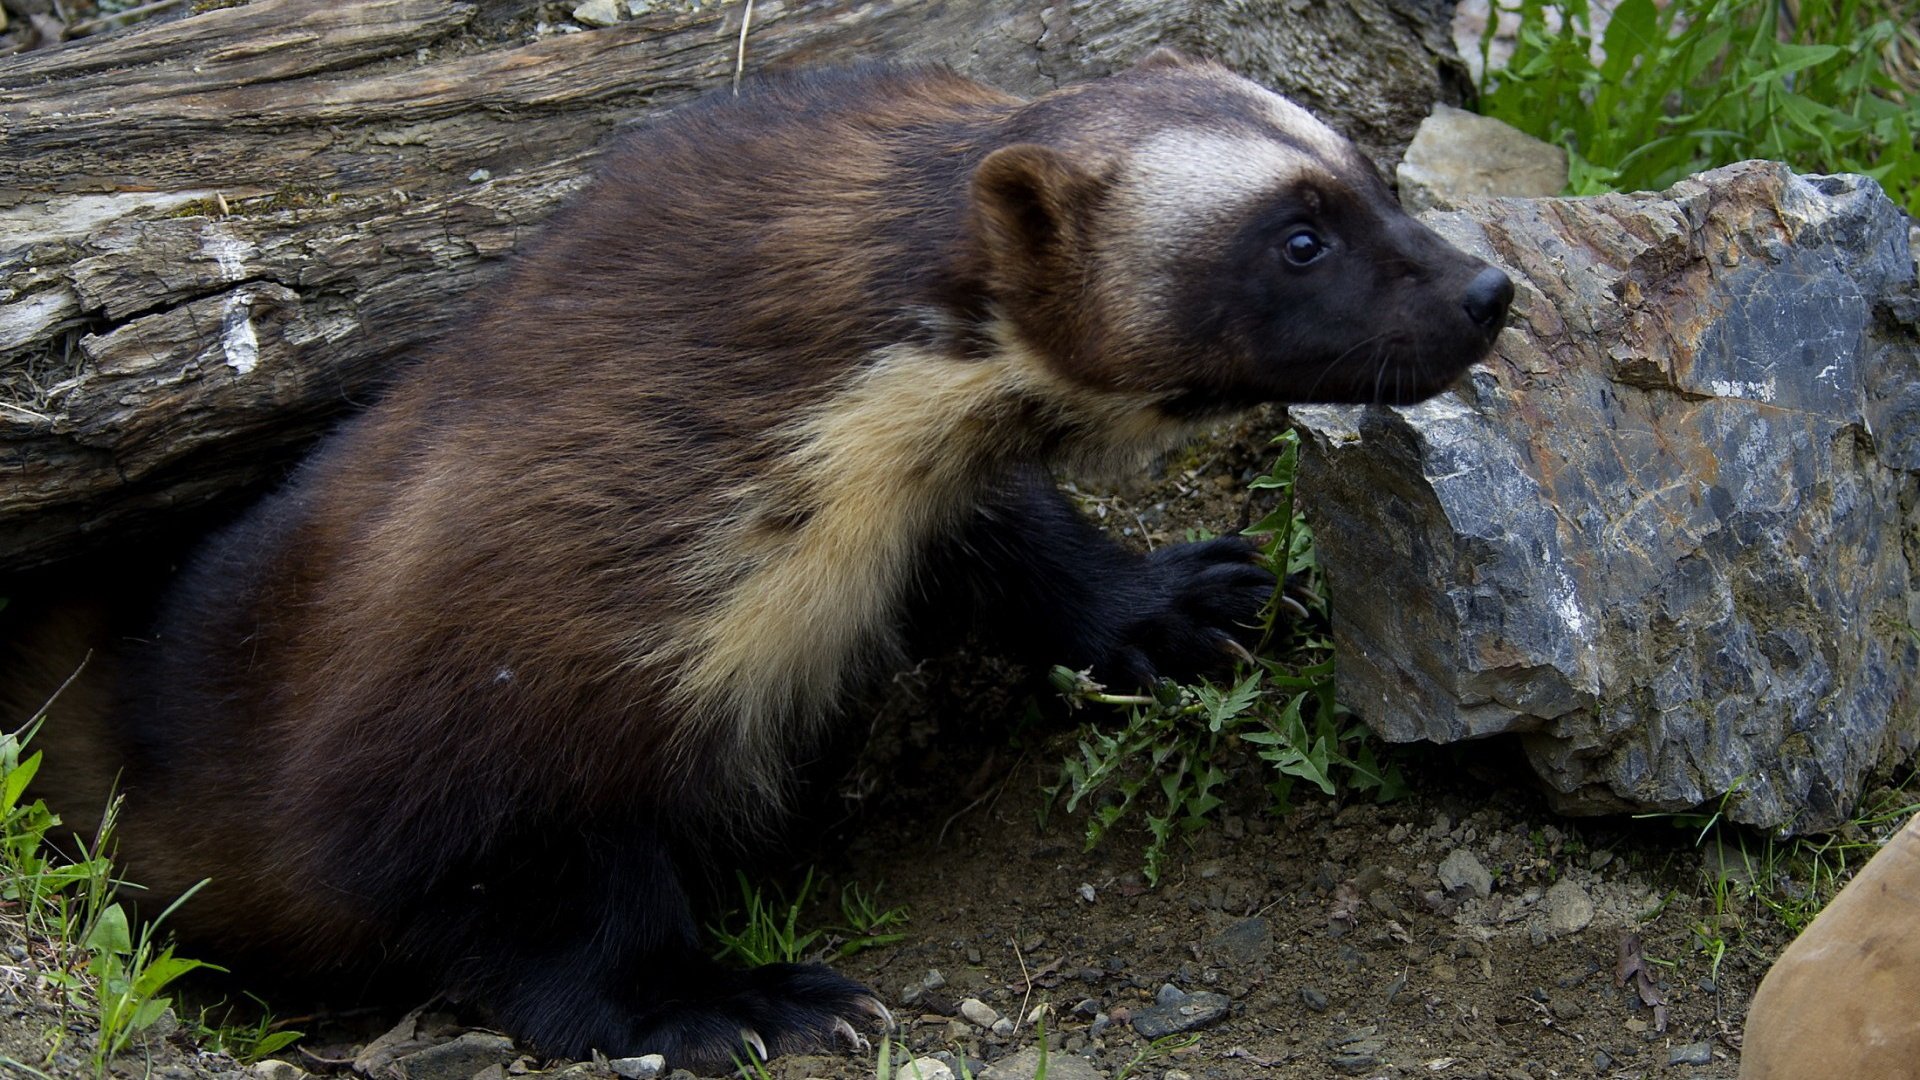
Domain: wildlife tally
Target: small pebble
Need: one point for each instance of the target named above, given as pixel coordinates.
(1002, 1027)
(1313, 998)
(1699, 1053)
(1569, 908)
(645, 1067)
(598, 13)
(1461, 873)
(1178, 1012)
(978, 1012)
(925, 1068)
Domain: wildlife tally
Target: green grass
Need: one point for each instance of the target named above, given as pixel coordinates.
(245, 1035)
(1165, 760)
(767, 926)
(1163, 1047)
(1694, 84)
(1754, 880)
(108, 972)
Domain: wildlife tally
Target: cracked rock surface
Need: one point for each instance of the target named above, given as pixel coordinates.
(1669, 536)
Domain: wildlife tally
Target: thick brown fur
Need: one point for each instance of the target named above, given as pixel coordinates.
(550, 622)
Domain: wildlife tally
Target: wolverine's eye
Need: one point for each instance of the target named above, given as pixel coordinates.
(1303, 247)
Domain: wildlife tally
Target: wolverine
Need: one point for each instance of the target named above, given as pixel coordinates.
(525, 645)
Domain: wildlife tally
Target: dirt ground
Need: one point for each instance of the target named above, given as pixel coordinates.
(1338, 947)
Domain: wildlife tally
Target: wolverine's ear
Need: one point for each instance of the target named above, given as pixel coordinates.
(1029, 202)
(1163, 56)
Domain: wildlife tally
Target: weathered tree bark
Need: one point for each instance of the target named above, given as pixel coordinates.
(217, 234)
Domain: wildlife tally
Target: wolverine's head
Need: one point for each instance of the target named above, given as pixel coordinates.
(1180, 230)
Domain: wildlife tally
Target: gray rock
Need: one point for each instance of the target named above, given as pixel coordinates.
(1568, 908)
(644, 1067)
(1172, 1013)
(1245, 942)
(978, 1012)
(1025, 1065)
(926, 1068)
(1461, 872)
(1313, 998)
(925, 988)
(598, 13)
(275, 1069)
(457, 1059)
(1700, 1053)
(1659, 536)
(1457, 154)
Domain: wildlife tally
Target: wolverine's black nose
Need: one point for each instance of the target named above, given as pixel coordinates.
(1488, 295)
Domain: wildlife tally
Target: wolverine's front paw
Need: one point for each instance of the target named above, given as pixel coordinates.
(1198, 608)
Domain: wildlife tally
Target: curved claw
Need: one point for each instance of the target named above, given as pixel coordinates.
(854, 1039)
(1239, 651)
(755, 1043)
(1299, 609)
(879, 1012)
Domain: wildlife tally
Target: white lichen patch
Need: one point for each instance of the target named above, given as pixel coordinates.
(238, 342)
(1762, 390)
(227, 251)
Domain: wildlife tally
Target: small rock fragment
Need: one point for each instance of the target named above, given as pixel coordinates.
(1313, 998)
(926, 1068)
(1460, 872)
(645, 1067)
(598, 13)
(1569, 909)
(1245, 942)
(273, 1069)
(1176, 1012)
(1700, 1053)
(928, 983)
(978, 1012)
(457, 1059)
(1002, 1027)
(1458, 154)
